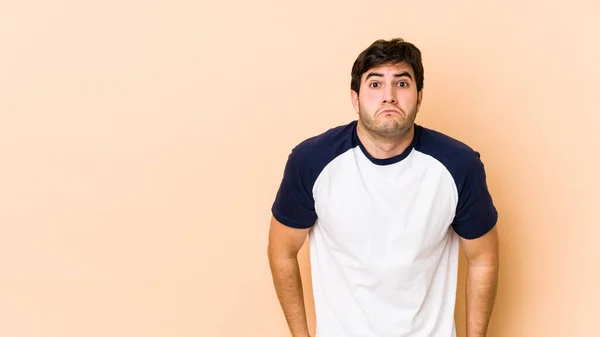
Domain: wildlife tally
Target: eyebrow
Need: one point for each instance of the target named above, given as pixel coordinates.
(404, 74)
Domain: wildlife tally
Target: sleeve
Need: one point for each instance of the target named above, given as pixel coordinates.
(294, 203)
(475, 213)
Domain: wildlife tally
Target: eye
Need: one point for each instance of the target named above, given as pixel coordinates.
(403, 84)
(374, 85)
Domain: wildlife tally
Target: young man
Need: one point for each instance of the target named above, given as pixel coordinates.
(386, 203)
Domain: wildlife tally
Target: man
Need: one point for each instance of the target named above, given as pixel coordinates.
(386, 203)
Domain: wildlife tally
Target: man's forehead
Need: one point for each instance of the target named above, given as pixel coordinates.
(390, 69)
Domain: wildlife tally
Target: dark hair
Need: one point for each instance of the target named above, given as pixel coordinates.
(382, 52)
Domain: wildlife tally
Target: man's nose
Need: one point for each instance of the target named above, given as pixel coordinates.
(389, 95)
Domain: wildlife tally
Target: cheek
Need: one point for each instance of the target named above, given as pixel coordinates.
(407, 98)
(369, 99)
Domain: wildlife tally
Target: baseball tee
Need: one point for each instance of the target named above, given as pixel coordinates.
(384, 232)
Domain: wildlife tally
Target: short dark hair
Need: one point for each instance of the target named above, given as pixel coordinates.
(381, 52)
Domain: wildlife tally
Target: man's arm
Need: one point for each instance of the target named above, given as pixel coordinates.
(482, 281)
(284, 244)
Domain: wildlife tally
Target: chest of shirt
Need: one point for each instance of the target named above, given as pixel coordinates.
(406, 204)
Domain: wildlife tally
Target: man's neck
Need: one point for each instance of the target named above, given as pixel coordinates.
(380, 147)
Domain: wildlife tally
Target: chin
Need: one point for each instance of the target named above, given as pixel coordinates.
(393, 124)
(389, 131)
(393, 129)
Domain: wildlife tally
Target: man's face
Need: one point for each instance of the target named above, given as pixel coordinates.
(388, 101)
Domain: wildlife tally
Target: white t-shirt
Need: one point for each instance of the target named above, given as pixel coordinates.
(384, 236)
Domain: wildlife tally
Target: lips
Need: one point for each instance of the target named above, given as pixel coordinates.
(389, 111)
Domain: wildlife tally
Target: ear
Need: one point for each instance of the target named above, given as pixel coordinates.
(419, 99)
(354, 98)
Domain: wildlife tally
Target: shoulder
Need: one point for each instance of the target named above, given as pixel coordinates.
(458, 157)
(475, 211)
(317, 151)
(294, 202)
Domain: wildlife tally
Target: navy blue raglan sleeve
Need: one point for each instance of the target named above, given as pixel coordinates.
(294, 203)
(475, 213)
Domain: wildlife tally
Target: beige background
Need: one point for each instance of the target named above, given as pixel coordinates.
(142, 143)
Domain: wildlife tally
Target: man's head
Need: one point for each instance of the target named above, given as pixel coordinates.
(387, 87)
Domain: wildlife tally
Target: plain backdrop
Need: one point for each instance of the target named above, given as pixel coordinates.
(142, 143)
